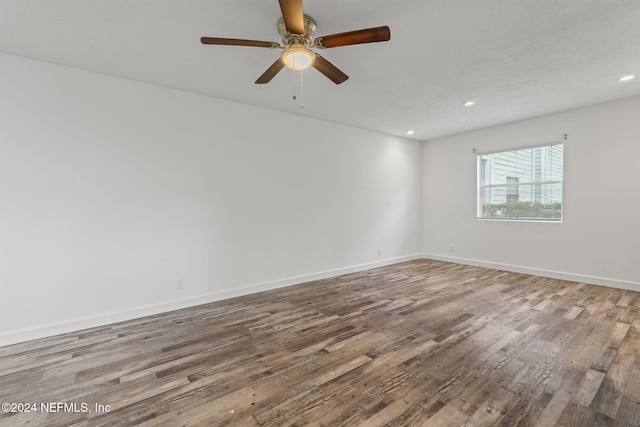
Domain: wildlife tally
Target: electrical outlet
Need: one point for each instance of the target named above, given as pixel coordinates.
(452, 248)
(179, 284)
(379, 251)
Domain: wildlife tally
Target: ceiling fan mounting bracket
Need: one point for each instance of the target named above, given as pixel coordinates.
(305, 39)
(318, 43)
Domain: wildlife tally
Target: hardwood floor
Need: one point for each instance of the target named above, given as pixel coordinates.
(422, 343)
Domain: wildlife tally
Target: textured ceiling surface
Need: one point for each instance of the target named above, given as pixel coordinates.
(515, 58)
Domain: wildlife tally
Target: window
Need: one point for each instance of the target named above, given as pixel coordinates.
(523, 183)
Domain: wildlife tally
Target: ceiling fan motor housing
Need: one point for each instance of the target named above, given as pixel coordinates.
(305, 39)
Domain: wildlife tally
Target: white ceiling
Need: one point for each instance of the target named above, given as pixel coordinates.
(515, 58)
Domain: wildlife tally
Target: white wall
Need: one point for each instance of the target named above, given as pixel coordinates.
(111, 190)
(598, 241)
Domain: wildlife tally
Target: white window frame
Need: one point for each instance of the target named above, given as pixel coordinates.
(481, 185)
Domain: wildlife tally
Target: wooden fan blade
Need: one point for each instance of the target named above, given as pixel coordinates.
(329, 70)
(271, 72)
(237, 42)
(368, 35)
(292, 15)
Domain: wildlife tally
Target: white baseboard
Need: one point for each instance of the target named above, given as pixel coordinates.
(574, 277)
(106, 318)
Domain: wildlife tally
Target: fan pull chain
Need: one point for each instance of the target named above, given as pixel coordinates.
(294, 83)
(301, 90)
(295, 87)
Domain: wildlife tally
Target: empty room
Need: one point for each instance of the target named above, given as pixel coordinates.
(319, 213)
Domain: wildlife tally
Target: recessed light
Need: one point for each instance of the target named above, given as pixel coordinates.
(627, 78)
(469, 103)
(410, 132)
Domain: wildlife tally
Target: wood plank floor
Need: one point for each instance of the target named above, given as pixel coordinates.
(422, 343)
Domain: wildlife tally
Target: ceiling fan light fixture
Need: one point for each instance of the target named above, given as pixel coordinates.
(298, 57)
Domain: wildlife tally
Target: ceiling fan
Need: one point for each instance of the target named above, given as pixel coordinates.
(297, 31)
